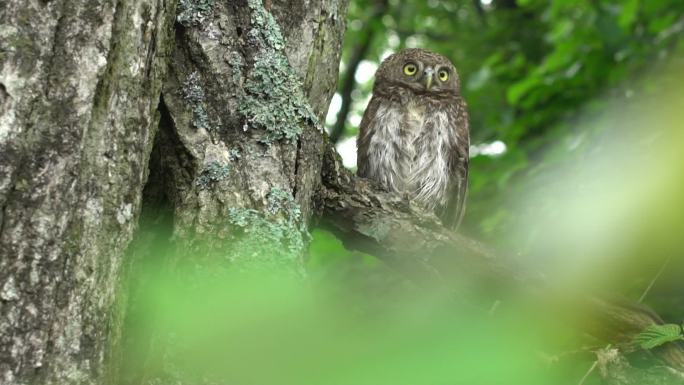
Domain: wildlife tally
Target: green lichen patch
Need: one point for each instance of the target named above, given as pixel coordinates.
(192, 13)
(236, 64)
(273, 99)
(234, 154)
(212, 173)
(265, 29)
(273, 239)
(193, 93)
(281, 201)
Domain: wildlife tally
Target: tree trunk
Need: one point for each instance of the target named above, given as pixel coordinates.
(219, 103)
(79, 89)
(246, 90)
(80, 101)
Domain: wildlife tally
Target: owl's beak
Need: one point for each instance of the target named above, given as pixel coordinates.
(428, 77)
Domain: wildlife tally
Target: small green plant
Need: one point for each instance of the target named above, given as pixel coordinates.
(656, 335)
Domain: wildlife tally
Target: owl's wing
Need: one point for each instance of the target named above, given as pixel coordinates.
(366, 132)
(458, 168)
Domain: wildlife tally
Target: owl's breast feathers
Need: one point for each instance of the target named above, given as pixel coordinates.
(418, 146)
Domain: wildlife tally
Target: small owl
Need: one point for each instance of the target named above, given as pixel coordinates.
(414, 137)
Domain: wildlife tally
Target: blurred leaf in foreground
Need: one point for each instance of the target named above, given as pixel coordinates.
(656, 335)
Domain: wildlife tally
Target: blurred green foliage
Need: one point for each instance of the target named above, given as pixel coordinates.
(529, 69)
(587, 98)
(211, 326)
(557, 82)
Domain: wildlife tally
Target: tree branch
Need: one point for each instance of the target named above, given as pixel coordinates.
(390, 227)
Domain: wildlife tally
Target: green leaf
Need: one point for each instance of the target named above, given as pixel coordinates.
(629, 14)
(518, 90)
(656, 335)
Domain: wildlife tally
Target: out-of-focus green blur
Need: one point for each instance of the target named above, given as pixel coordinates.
(237, 329)
(607, 225)
(577, 173)
(577, 116)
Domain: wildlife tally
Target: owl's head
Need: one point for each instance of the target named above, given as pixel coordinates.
(418, 70)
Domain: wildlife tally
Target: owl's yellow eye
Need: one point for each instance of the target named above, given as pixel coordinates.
(443, 75)
(410, 69)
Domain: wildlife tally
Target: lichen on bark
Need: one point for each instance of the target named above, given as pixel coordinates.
(193, 12)
(273, 99)
(79, 128)
(273, 240)
(212, 173)
(194, 94)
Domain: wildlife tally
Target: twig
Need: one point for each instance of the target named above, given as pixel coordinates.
(657, 276)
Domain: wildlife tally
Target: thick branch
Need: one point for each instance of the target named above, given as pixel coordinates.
(389, 227)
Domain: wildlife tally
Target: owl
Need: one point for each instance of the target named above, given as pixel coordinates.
(414, 138)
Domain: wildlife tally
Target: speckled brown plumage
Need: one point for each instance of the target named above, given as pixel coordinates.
(414, 136)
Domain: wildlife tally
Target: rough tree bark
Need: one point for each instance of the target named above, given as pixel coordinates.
(79, 88)
(219, 102)
(247, 86)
